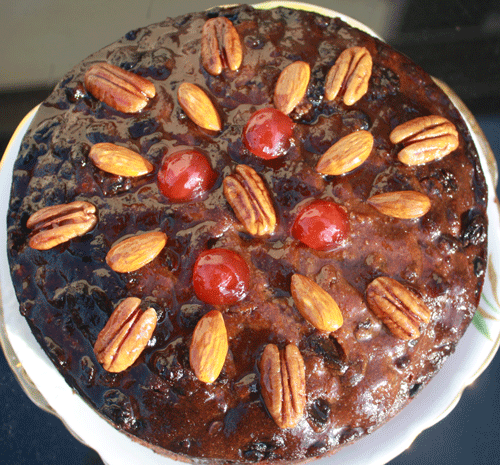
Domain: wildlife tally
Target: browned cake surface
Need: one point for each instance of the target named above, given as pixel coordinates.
(356, 377)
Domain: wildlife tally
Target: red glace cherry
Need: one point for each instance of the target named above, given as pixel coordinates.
(220, 277)
(185, 175)
(267, 133)
(321, 225)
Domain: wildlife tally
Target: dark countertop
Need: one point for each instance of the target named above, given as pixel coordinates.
(455, 41)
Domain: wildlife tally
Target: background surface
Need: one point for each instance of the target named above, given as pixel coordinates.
(457, 42)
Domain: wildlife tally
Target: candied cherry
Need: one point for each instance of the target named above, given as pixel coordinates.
(220, 277)
(185, 175)
(321, 225)
(267, 133)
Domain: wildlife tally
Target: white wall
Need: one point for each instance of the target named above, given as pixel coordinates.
(42, 39)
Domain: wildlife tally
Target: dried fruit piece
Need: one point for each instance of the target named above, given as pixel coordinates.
(200, 109)
(118, 160)
(220, 277)
(125, 335)
(346, 154)
(401, 204)
(400, 309)
(57, 224)
(134, 252)
(268, 133)
(291, 86)
(122, 90)
(350, 74)
(247, 194)
(282, 380)
(185, 175)
(209, 347)
(426, 139)
(315, 304)
(220, 46)
(321, 225)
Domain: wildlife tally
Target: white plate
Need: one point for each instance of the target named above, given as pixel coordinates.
(47, 388)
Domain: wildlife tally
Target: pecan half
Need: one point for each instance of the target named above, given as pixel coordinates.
(209, 347)
(118, 160)
(350, 74)
(220, 46)
(315, 304)
(60, 223)
(346, 154)
(122, 90)
(291, 86)
(401, 204)
(426, 139)
(125, 335)
(248, 196)
(283, 384)
(134, 252)
(400, 309)
(199, 108)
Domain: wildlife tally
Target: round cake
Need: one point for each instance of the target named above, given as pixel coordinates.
(248, 235)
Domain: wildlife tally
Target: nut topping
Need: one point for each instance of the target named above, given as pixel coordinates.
(291, 86)
(209, 347)
(346, 154)
(60, 223)
(248, 196)
(283, 384)
(200, 109)
(122, 90)
(134, 252)
(350, 74)
(426, 139)
(315, 304)
(220, 46)
(125, 335)
(118, 160)
(401, 204)
(400, 309)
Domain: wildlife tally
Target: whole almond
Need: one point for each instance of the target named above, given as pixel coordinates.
(220, 46)
(122, 90)
(248, 196)
(400, 309)
(125, 335)
(346, 154)
(291, 86)
(283, 384)
(199, 108)
(57, 224)
(350, 74)
(315, 304)
(426, 139)
(209, 347)
(401, 204)
(118, 160)
(134, 252)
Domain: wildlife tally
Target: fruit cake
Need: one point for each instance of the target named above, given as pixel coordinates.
(247, 235)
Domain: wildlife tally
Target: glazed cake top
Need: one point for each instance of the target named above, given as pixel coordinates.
(356, 374)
